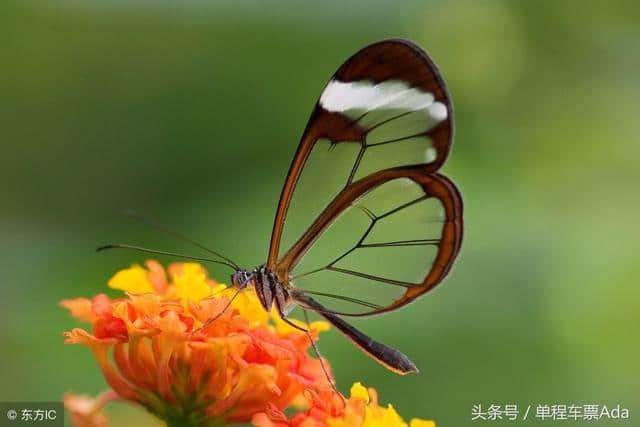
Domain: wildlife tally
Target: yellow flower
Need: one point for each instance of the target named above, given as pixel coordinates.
(329, 409)
(190, 283)
(421, 423)
(132, 279)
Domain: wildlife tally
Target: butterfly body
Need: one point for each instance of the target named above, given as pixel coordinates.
(267, 286)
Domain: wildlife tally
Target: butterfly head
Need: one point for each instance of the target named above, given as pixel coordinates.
(240, 279)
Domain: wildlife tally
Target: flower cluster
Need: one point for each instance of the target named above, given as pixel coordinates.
(243, 361)
(332, 410)
(247, 365)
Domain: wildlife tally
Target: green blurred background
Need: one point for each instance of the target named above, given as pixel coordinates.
(191, 111)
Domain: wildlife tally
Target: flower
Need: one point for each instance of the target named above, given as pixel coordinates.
(151, 351)
(327, 408)
(247, 365)
(86, 411)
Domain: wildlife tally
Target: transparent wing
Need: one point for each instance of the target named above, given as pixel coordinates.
(391, 237)
(386, 106)
(372, 224)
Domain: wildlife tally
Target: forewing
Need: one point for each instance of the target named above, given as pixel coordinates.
(385, 107)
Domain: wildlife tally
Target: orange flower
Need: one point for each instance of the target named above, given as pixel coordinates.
(86, 411)
(328, 409)
(150, 350)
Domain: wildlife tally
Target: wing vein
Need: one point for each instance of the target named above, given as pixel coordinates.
(404, 138)
(397, 116)
(421, 242)
(356, 165)
(341, 297)
(372, 277)
(401, 207)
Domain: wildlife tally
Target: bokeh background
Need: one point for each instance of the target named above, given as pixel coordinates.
(190, 111)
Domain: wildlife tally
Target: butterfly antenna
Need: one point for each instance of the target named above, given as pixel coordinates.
(158, 226)
(155, 251)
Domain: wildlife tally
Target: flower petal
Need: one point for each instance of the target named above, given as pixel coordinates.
(191, 283)
(80, 308)
(86, 411)
(360, 392)
(133, 279)
(416, 422)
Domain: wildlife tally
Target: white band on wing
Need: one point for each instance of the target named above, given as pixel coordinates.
(388, 95)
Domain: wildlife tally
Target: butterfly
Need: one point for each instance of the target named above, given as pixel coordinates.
(366, 172)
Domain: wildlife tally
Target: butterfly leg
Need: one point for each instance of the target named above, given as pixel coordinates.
(289, 308)
(316, 350)
(212, 319)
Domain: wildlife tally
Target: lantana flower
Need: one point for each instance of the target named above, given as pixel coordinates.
(247, 365)
(151, 351)
(326, 408)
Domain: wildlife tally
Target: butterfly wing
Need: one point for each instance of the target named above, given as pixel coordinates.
(380, 131)
(397, 247)
(388, 85)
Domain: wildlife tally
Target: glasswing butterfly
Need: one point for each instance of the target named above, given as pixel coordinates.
(373, 224)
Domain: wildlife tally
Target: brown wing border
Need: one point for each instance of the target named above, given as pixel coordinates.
(337, 128)
(433, 185)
